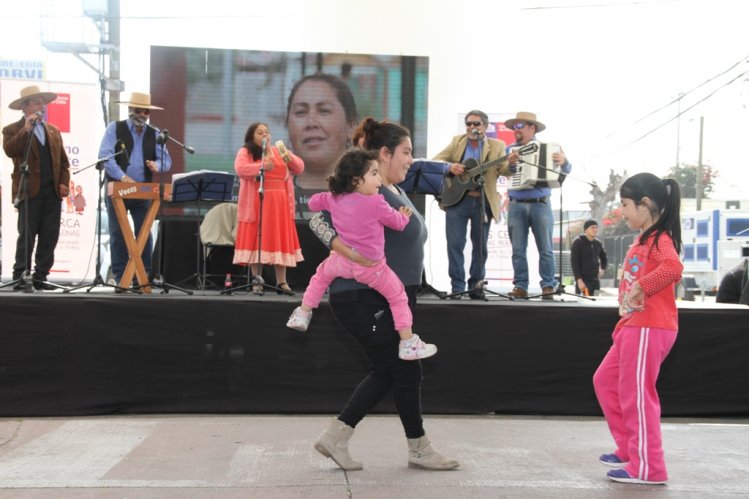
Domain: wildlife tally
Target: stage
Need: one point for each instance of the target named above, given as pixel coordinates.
(100, 353)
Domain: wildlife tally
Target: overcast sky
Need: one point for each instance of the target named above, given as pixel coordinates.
(590, 68)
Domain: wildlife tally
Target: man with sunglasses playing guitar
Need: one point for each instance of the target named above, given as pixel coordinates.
(462, 200)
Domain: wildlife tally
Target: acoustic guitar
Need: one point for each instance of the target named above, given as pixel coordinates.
(454, 187)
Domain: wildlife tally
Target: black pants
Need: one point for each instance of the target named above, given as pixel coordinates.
(43, 229)
(365, 315)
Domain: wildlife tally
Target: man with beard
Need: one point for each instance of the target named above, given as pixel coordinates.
(531, 209)
(144, 158)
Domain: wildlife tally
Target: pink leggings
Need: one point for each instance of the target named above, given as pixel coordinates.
(625, 387)
(379, 277)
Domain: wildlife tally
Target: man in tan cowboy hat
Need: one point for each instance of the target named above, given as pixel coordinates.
(531, 209)
(39, 196)
(142, 157)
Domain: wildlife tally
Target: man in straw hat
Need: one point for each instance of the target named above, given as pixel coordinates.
(531, 209)
(46, 184)
(143, 158)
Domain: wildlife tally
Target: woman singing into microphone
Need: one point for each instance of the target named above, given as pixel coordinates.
(280, 244)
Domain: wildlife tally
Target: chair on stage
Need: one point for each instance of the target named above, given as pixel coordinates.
(218, 229)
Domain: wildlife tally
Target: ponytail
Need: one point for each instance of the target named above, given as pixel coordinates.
(666, 198)
(378, 134)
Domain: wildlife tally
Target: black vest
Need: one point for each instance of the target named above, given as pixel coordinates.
(149, 147)
(46, 175)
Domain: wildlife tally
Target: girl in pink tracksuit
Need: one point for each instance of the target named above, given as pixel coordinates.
(625, 381)
(360, 214)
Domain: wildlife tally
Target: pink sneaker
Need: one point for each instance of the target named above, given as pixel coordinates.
(299, 319)
(414, 349)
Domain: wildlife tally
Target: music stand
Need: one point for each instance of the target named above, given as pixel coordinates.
(425, 177)
(197, 187)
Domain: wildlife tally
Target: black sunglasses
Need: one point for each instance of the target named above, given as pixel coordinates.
(521, 125)
(140, 110)
(474, 123)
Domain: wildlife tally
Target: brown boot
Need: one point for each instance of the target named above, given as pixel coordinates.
(518, 293)
(421, 454)
(548, 293)
(334, 444)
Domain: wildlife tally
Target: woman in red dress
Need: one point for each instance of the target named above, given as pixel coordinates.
(279, 240)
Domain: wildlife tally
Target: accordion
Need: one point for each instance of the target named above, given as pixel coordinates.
(528, 174)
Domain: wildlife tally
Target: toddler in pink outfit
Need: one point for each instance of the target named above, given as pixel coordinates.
(360, 215)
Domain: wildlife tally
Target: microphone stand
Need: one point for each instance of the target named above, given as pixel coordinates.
(257, 280)
(163, 134)
(157, 281)
(26, 281)
(560, 287)
(98, 280)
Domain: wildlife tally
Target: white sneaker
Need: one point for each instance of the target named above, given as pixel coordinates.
(299, 319)
(414, 349)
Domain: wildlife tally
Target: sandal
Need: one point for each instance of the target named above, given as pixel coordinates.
(257, 289)
(284, 289)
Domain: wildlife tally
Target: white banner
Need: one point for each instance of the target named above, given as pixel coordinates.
(77, 113)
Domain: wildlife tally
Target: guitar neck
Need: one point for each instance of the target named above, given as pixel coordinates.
(485, 166)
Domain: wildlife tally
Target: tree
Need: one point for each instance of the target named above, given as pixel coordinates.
(603, 201)
(686, 176)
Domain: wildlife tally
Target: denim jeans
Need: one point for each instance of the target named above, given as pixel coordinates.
(538, 218)
(138, 209)
(456, 224)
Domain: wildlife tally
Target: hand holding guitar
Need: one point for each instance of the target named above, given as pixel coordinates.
(456, 169)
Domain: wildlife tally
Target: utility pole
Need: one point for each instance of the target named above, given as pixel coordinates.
(698, 194)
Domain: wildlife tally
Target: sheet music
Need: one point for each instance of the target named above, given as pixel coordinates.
(206, 185)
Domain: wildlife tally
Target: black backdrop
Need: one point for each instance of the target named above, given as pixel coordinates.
(101, 354)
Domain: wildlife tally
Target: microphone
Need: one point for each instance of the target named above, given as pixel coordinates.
(190, 149)
(474, 131)
(123, 150)
(35, 117)
(17, 200)
(265, 143)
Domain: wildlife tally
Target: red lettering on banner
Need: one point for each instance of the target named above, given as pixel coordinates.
(58, 112)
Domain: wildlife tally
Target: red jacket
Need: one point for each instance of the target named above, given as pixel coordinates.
(657, 269)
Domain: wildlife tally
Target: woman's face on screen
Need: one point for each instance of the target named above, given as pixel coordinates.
(318, 130)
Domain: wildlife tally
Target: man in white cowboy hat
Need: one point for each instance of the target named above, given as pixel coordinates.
(142, 159)
(531, 209)
(45, 185)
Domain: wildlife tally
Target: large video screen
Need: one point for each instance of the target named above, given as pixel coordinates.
(311, 101)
